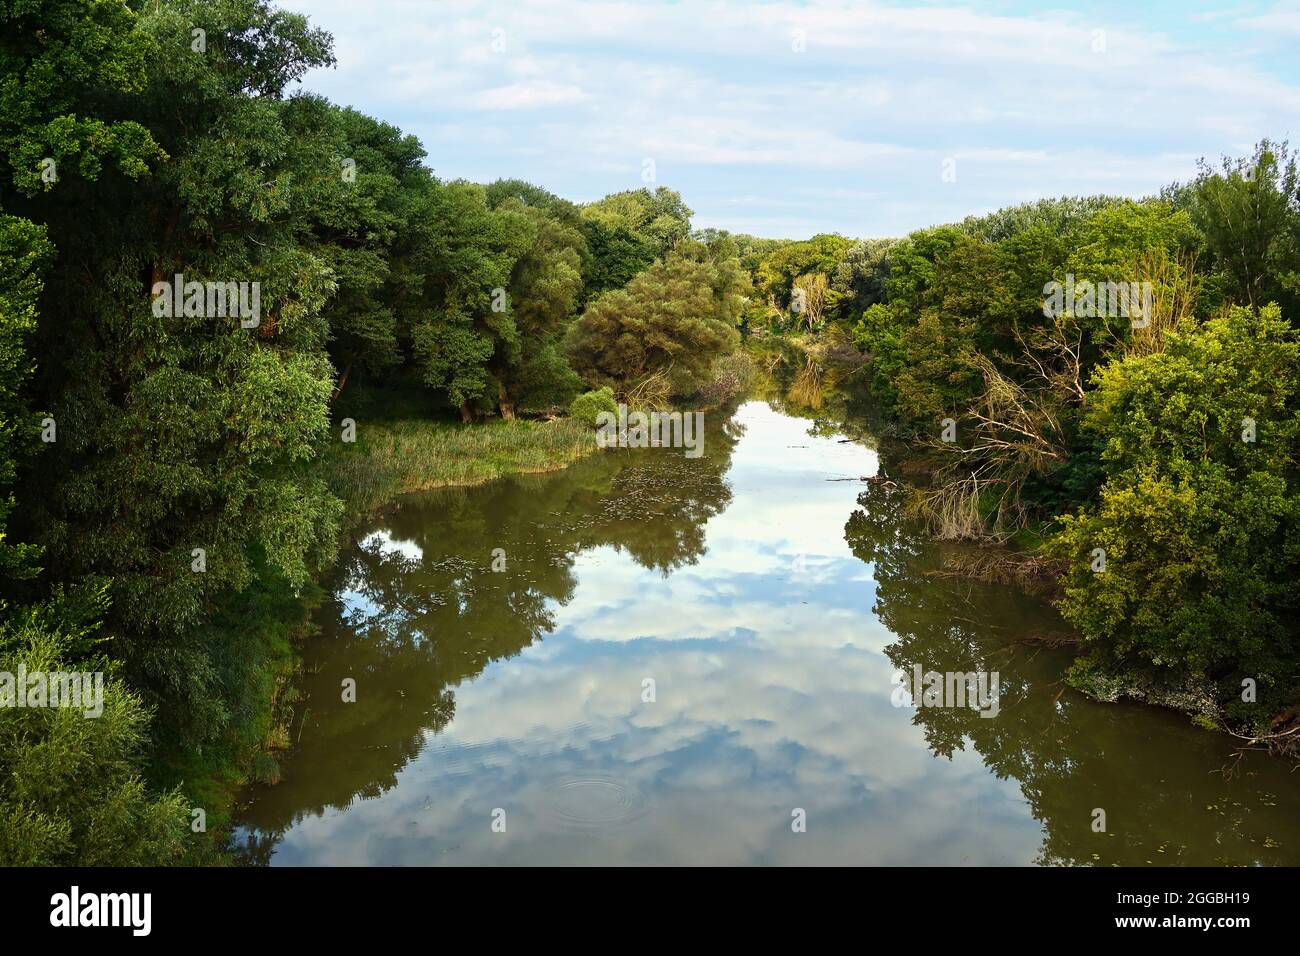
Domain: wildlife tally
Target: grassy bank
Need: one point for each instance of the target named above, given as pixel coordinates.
(392, 458)
(389, 458)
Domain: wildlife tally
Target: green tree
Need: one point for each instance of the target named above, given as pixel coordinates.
(181, 470)
(545, 286)
(859, 278)
(673, 319)
(362, 231)
(1198, 519)
(659, 217)
(780, 267)
(63, 62)
(1249, 213)
(24, 255)
(73, 793)
(466, 255)
(616, 256)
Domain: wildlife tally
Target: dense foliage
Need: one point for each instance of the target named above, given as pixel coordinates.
(1151, 452)
(198, 264)
(164, 502)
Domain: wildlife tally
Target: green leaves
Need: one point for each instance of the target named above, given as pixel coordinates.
(73, 793)
(1199, 514)
(61, 64)
(678, 315)
(659, 217)
(188, 432)
(1249, 213)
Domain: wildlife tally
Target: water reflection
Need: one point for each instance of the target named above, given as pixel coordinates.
(770, 628)
(1161, 783)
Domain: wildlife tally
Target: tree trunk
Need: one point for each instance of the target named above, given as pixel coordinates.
(466, 413)
(343, 380)
(504, 404)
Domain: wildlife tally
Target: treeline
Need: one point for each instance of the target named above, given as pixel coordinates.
(1115, 385)
(1112, 388)
(164, 513)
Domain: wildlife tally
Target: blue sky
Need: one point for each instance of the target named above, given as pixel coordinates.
(785, 119)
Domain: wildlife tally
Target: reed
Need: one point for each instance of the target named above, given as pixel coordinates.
(392, 458)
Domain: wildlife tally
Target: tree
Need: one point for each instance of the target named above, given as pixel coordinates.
(659, 217)
(545, 285)
(466, 255)
(362, 230)
(617, 255)
(860, 276)
(25, 253)
(180, 471)
(1186, 564)
(780, 267)
(812, 300)
(1249, 213)
(63, 62)
(73, 793)
(672, 320)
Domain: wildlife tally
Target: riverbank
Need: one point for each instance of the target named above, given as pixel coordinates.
(401, 456)
(389, 458)
(1022, 558)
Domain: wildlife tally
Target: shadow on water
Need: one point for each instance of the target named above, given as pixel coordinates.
(771, 600)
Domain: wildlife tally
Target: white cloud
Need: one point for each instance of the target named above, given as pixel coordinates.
(518, 96)
(716, 94)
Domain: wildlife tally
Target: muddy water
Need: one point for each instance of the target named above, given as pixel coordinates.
(695, 661)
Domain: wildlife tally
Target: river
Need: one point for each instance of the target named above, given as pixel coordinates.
(696, 661)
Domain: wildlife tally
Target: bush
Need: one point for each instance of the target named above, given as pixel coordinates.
(1199, 514)
(673, 319)
(587, 406)
(73, 794)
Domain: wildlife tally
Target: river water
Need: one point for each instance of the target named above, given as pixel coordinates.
(695, 661)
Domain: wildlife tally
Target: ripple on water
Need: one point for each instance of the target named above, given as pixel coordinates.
(591, 802)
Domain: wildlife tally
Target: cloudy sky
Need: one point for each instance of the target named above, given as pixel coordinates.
(785, 119)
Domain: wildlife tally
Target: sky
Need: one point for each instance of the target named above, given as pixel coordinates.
(787, 119)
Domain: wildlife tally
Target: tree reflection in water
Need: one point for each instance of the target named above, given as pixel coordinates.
(417, 609)
(417, 612)
(1150, 771)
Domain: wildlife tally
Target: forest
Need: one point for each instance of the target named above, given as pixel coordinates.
(175, 480)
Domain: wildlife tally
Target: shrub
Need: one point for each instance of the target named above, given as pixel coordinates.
(587, 406)
(1199, 514)
(73, 792)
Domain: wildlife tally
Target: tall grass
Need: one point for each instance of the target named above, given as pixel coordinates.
(391, 458)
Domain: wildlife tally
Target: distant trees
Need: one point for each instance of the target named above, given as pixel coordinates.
(780, 268)
(626, 232)
(659, 217)
(859, 278)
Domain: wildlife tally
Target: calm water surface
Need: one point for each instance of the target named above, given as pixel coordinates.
(770, 604)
